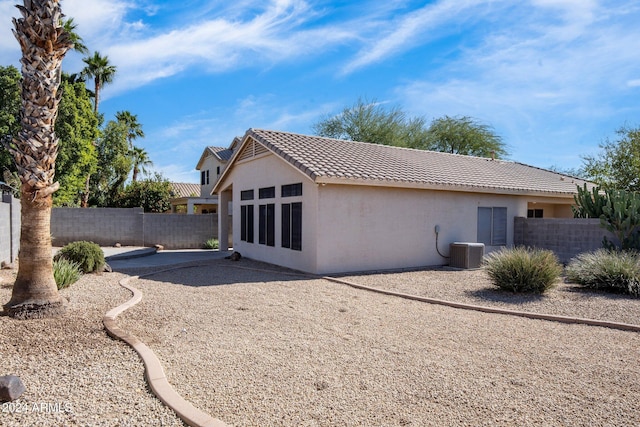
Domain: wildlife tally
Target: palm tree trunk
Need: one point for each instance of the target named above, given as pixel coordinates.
(96, 92)
(44, 43)
(35, 293)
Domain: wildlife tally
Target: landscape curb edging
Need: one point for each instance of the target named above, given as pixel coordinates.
(156, 377)
(485, 309)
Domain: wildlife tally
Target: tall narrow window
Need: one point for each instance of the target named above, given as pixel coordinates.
(202, 177)
(292, 226)
(246, 223)
(207, 177)
(492, 226)
(267, 225)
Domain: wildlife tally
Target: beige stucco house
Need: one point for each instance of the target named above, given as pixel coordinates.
(323, 205)
(211, 164)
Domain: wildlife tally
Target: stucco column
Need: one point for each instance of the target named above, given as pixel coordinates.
(223, 219)
(190, 205)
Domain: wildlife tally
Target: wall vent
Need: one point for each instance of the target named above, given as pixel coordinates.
(466, 255)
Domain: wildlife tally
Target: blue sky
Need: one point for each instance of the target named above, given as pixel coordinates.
(553, 77)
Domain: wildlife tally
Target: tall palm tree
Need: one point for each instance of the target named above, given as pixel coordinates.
(140, 159)
(134, 128)
(101, 71)
(78, 44)
(44, 43)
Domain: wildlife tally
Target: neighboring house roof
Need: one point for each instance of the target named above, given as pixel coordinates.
(182, 189)
(327, 160)
(223, 154)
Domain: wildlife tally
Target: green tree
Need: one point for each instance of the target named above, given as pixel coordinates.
(9, 113)
(114, 164)
(617, 166)
(44, 44)
(370, 121)
(134, 128)
(464, 135)
(153, 195)
(102, 72)
(140, 160)
(77, 128)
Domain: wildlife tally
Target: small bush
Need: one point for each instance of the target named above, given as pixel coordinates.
(212, 244)
(523, 269)
(607, 269)
(87, 255)
(65, 272)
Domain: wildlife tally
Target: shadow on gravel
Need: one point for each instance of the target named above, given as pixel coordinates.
(225, 272)
(494, 295)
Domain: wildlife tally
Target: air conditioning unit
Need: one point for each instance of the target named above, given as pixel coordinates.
(466, 255)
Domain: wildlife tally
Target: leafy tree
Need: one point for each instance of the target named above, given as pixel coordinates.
(153, 195)
(464, 135)
(140, 160)
(77, 128)
(101, 71)
(134, 128)
(617, 166)
(369, 121)
(9, 113)
(44, 44)
(114, 164)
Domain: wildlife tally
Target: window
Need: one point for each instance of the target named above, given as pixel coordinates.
(534, 213)
(218, 170)
(246, 223)
(246, 195)
(267, 193)
(291, 190)
(204, 177)
(492, 226)
(292, 226)
(267, 225)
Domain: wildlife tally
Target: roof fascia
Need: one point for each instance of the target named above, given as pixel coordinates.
(323, 180)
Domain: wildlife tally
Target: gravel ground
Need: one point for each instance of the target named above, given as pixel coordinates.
(474, 287)
(269, 349)
(74, 373)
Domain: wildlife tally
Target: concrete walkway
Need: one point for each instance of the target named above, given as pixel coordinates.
(131, 257)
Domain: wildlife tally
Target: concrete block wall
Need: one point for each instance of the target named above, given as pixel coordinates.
(104, 226)
(177, 231)
(9, 228)
(131, 227)
(566, 237)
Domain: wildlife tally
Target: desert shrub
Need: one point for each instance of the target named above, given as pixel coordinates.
(212, 244)
(87, 255)
(523, 269)
(65, 272)
(612, 270)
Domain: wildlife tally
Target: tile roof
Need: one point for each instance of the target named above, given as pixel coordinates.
(222, 153)
(336, 161)
(183, 189)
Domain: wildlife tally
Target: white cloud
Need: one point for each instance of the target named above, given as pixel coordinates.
(416, 28)
(546, 77)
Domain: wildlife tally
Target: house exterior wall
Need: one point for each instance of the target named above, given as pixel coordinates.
(269, 171)
(211, 164)
(356, 228)
(369, 228)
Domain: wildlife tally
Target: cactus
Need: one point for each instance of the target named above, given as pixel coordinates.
(589, 204)
(619, 213)
(621, 216)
